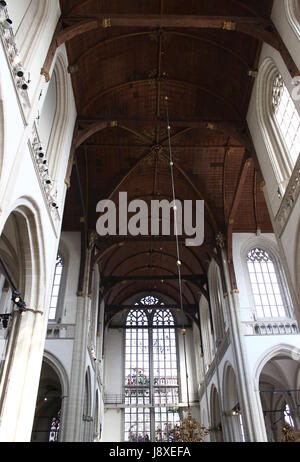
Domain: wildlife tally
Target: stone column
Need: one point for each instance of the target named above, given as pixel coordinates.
(20, 375)
(74, 415)
(253, 418)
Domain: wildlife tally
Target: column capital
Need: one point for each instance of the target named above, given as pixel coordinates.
(220, 240)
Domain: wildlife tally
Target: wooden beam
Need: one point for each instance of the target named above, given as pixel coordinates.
(141, 122)
(236, 201)
(90, 126)
(157, 21)
(210, 41)
(165, 277)
(260, 28)
(167, 81)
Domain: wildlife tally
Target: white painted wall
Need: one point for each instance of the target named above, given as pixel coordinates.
(45, 123)
(20, 185)
(288, 240)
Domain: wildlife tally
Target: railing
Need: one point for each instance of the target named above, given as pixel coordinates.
(263, 328)
(289, 200)
(60, 331)
(124, 400)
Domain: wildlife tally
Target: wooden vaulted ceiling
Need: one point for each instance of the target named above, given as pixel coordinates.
(122, 71)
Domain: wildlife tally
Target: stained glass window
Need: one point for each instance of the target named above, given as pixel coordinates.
(56, 288)
(265, 285)
(151, 373)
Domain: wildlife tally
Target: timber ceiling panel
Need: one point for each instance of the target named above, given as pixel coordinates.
(121, 76)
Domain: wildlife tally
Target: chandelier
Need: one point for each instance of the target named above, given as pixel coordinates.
(289, 435)
(189, 430)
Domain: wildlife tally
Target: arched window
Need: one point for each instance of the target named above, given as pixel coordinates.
(151, 373)
(266, 285)
(207, 338)
(279, 123)
(287, 118)
(56, 288)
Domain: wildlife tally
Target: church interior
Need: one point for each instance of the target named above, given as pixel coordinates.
(147, 337)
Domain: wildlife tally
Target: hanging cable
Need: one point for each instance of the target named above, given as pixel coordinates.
(179, 263)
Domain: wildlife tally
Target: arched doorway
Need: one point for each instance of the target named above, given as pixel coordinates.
(87, 406)
(22, 251)
(232, 411)
(279, 386)
(216, 419)
(46, 427)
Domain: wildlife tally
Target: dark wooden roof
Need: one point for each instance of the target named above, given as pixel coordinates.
(121, 76)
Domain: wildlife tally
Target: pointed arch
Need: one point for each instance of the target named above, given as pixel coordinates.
(292, 8)
(271, 89)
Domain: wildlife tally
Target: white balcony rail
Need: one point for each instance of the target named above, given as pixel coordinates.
(271, 327)
(60, 331)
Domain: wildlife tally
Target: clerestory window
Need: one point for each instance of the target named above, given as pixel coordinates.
(56, 288)
(266, 285)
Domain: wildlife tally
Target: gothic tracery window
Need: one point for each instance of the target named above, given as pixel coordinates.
(56, 288)
(151, 373)
(266, 288)
(286, 117)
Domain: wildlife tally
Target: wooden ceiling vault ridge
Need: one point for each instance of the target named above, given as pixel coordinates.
(260, 28)
(123, 145)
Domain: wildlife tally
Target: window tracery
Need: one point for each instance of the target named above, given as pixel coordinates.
(266, 288)
(151, 373)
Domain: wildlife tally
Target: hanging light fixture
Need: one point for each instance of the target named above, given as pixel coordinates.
(189, 430)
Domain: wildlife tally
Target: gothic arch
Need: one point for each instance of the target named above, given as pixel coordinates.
(51, 400)
(277, 152)
(60, 370)
(58, 367)
(230, 401)
(30, 248)
(216, 296)
(215, 415)
(207, 337)
(55, 144)
(277, 379)
(282, 349)
(292, 8)
(87, 406)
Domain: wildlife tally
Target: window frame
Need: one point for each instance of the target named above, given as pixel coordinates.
(289, 314)
(278, 155)
(151, 327)
(58, 313)
(295, 111)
